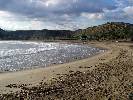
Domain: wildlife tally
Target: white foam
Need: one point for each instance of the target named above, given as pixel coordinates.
(38, 47)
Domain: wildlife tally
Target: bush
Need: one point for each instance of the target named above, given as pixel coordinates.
(132, 39)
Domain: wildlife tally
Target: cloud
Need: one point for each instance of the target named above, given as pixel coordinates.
(93, 16)
(128, 12)
(60, 14)
(42, 8)
(129, 9)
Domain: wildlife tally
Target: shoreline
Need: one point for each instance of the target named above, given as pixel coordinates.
(104, 76)
(28, 76)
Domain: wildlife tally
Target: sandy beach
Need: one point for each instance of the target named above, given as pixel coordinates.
(114, 69)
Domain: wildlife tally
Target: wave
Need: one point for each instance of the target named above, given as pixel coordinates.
(11, 48)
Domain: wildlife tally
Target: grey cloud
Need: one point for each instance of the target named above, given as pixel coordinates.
(64, 13)
(37, 9)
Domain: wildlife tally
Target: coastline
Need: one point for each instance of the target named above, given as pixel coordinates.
(31, 76)
(34, 77)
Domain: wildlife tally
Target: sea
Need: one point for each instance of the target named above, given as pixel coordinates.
(24, 55)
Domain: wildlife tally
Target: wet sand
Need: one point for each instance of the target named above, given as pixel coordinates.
(107, 76)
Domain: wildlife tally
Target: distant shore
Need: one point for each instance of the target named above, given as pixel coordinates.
(117, 55)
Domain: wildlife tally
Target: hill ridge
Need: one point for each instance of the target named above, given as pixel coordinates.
(106, 31)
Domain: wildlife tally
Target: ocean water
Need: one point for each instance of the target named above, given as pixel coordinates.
(20, 55)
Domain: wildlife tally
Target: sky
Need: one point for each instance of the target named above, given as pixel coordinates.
(62, 14)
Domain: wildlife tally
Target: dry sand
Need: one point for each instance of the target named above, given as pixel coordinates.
(113, 56)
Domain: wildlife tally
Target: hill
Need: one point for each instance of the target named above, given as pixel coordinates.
(107, 31)
(35, 35)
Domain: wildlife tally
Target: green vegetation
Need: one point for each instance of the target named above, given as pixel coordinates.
(35, 35)
(108, 31)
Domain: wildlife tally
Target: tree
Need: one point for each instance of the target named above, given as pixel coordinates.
(132, 38)
(83, 37)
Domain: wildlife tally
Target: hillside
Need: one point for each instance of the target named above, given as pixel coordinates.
(35, 35)
(107, 31)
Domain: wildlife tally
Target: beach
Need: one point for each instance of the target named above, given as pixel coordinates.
(106, 76)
